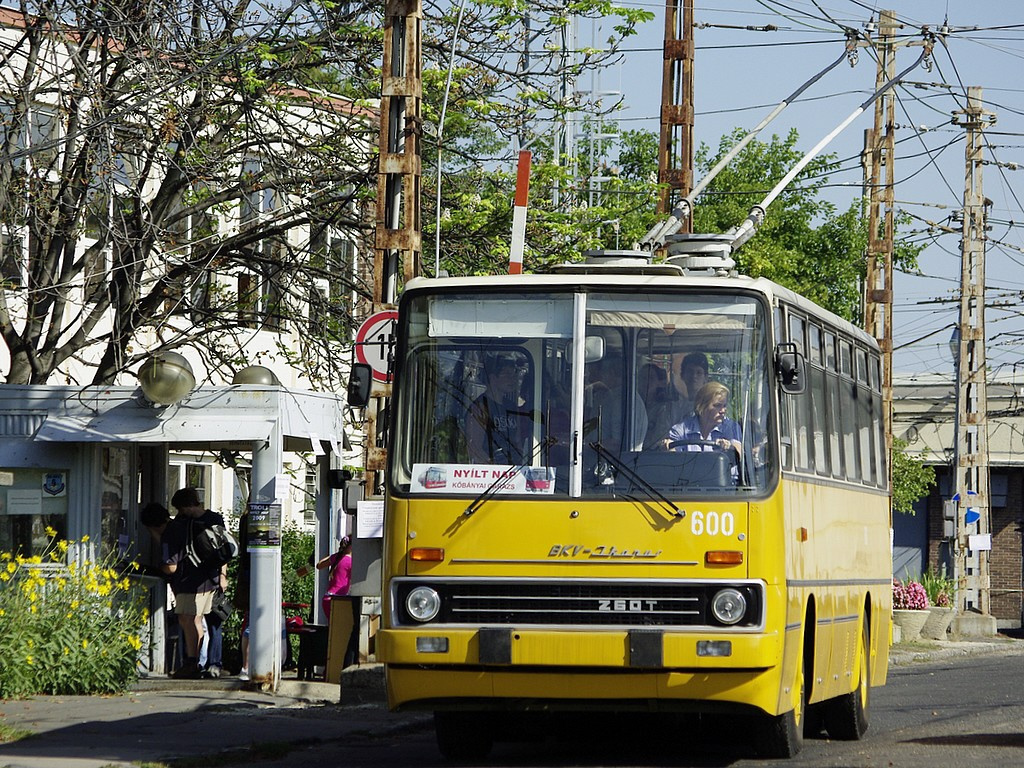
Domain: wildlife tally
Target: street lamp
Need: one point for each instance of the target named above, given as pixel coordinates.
(166, 377)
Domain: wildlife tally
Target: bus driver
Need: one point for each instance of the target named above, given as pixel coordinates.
(707, 428)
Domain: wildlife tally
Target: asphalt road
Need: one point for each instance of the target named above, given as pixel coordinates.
(963, 706)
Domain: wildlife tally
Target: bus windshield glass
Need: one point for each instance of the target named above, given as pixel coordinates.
(592, 395)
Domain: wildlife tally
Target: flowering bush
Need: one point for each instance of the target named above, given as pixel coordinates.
(67, 629)
(909, 596)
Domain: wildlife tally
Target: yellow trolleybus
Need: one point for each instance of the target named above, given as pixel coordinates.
(563, 533)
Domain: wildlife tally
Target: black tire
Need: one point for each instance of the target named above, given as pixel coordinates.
(846, 717)
(463, 736)
(782, 736)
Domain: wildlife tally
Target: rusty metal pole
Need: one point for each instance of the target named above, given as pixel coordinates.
(675, 149)
(879, 160)
(397, 253)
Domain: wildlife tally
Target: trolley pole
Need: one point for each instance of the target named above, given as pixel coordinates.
(971, 469)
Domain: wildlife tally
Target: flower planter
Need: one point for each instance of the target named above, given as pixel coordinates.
(937, 624)
(910, 623)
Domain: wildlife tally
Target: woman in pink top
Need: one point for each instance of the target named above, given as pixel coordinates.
(340, 576)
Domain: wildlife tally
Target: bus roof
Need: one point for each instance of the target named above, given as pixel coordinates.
(615, 279)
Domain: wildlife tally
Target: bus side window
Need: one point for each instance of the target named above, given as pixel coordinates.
(801, 404)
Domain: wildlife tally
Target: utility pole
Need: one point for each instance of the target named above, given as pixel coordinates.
(675, 149)
(398, 232)
(971, 470)
(878, 160)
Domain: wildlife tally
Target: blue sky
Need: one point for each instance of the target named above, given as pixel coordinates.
(741, 74)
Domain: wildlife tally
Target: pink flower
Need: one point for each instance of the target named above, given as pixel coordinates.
(909, 596)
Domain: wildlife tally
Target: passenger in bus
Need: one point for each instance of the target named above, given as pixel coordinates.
(693, 372)
(707, 428)
(497, 425)
(662, 408)
(604, 405)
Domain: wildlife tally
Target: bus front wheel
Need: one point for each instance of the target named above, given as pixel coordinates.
(782, 736)
(463, 736)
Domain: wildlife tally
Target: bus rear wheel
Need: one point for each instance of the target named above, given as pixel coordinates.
(846, 716)
(463, 736)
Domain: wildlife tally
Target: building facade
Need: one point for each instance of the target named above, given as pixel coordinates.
(924, 416)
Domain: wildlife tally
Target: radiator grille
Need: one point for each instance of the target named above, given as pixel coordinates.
(579, 603)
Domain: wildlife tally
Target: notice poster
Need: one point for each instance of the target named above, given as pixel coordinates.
(370, 519)
(264, 525)
(477, 478)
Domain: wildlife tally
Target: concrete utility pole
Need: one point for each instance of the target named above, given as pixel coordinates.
(399, 240)
(675, 149)
(879, 159)
(971, 471)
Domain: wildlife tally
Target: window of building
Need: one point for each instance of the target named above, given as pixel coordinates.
(32, 500)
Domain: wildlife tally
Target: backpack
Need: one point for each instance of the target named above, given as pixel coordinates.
(210, 545)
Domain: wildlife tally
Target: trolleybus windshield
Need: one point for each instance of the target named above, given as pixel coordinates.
(551, 394)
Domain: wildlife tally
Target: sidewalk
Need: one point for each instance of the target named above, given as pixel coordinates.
(162, 720)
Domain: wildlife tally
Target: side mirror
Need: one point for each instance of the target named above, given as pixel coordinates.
(789, 367)
(593, 349)
(359, 382)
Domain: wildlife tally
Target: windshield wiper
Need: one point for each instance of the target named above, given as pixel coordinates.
(620, 465)
(492, 489)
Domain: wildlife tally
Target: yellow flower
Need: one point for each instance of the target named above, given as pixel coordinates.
(85, 538)
(75, 604)
(28, 659)
(66, 650)
(5, 576)
(85, 644)
(5, 556)
(50, 531)
(12, 567)
(62, 546)
(34, 608)
(135, 641)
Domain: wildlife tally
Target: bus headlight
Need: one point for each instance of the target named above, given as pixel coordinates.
(728, 606)
(423, 603)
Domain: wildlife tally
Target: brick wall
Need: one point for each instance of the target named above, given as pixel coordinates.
(1005, 559)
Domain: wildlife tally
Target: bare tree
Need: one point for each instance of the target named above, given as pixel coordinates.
(195, 174)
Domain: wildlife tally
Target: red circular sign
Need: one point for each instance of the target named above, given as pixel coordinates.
(375, 342)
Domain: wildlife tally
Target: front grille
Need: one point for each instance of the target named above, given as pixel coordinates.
(575, 603)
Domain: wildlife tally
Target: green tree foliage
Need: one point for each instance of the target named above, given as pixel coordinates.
(805, 242)
(911, 478)
(597, 201)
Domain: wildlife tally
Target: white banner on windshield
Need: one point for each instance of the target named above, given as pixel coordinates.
(477, 478)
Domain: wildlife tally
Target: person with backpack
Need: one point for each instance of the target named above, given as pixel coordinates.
(195, 556)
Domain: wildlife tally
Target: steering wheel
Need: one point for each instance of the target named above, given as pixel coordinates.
(735, 456)
(697, 441)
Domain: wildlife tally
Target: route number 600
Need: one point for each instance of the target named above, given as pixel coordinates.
(712, 523)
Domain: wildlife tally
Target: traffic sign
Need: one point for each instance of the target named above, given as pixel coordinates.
(375, 343)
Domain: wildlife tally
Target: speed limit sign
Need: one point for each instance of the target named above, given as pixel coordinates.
(375, 343)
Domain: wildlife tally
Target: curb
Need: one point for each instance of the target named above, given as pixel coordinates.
(360, 685)
(903, 654)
